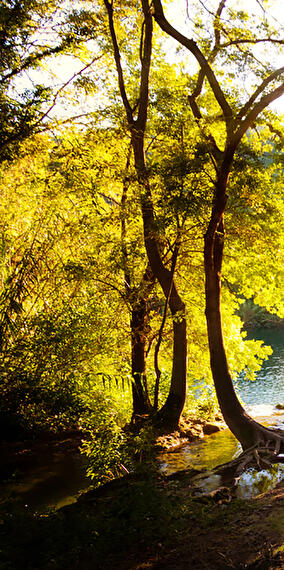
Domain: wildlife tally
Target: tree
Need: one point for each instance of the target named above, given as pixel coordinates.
(136, 119)
(175, 161)
(137, 297)
(238, 118)
(31, 33)
(56, 317)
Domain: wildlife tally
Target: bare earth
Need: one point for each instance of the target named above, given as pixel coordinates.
(144, 522)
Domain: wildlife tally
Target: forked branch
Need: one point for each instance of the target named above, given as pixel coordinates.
(203, 62)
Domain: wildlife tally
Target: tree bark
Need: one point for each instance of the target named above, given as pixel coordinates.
(170, 413)
(137, 298)
(249, 432)
(139, 326)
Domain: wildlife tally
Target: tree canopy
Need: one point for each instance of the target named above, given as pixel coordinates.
(103, 221)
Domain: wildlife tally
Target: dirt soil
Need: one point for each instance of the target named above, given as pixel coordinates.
(146, 521)
(201, 533)
(236, 536)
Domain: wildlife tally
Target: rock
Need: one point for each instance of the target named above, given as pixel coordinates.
(279, 406)
(170, 443)
(210, 428)
(192, 433)
(191, 428)
(197, 421)
(221, 495)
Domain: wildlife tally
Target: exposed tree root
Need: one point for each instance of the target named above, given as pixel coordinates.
(262, 455)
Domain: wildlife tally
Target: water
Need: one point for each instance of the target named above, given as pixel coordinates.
(53, 484)
(262, 394)
(253, 483)
(52, 477)
(260, 398)
(205, 454)
(57, 481)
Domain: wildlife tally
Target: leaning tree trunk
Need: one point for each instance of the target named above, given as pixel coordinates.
(247, 431)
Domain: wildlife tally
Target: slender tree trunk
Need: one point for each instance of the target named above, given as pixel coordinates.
(137, 298)
(139, 331)
(170, 413)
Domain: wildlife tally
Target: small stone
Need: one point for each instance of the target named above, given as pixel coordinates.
(210, 428)
(279, 406)
(219, 418)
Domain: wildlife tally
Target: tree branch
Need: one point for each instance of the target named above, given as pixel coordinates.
(276, 131)
(217, 32)
(125, 186)
(145, 65)
(257, 109)
(250, 41)
(208, 136)
(258, 91)
(121, 84)
(194, 49)
(32, 59)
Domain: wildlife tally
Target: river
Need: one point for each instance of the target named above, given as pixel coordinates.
(260, 397)
(262, 394)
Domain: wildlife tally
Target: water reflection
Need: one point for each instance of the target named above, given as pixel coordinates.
(250, 484)
(207, 453)
(53, 483)
(213, 450)
(253, 483)
(260, 398)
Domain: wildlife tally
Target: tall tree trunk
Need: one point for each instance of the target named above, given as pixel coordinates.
(137, 298)
(246, 430)
(231, 409)
(170, 413)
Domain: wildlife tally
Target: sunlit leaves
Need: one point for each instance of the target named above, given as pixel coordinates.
(62, 202)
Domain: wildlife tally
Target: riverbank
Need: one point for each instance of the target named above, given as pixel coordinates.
(147, 521)
(49, 471)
